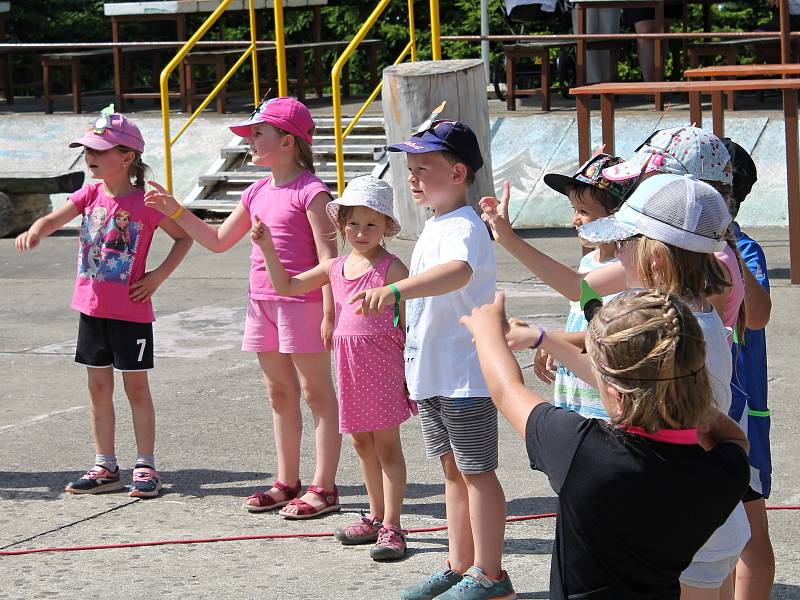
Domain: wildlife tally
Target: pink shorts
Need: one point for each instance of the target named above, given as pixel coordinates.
(288, 327)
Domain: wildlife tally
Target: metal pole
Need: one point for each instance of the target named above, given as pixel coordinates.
(436, 33)
(485, 43)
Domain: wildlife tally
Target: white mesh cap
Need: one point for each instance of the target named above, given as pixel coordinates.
(674, 209)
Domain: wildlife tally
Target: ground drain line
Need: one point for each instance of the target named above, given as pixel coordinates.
(273, 536)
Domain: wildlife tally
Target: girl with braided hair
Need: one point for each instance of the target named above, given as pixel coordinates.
(666, 452)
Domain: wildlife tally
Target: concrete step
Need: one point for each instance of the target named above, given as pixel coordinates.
(351, 151)
(326, 172)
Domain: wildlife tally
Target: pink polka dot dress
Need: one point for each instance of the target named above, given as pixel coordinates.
(370, 371)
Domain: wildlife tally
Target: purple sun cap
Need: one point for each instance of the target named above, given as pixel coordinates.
(109, 131)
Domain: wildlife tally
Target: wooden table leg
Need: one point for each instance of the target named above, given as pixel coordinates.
(46, 92)
(584, 120)
(118, 91)
(546, 80)
(580, 48)
(181, 22)
(658, 53)
(718, 114)
(792, 182)
(696, 109)
(317, 30)
(607, 116)
(76, 86)
(511, 100)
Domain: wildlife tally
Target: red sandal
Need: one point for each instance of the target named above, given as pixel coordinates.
(330, 498)
(262, 501)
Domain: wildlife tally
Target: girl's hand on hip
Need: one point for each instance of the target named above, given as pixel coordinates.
(160, 199)
(496, 213)
(373, 301)
(142, 290)
(487, 317)
(520, 335)
(543, 366)
(26, 240)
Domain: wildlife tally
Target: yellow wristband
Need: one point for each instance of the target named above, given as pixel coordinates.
(178, 212)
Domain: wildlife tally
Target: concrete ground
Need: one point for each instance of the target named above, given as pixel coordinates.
(215, 446)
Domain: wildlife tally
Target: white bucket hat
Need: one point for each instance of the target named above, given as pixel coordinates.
(367, 191)
(674, 209)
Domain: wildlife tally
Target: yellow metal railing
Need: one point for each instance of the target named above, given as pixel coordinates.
(250, 52)
(336, 74)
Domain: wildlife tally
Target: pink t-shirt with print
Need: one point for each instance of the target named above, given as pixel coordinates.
(114, 240)
(283, 209)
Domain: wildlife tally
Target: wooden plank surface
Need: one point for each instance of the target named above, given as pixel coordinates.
(743, 70)
(651, 87)
(195, 6)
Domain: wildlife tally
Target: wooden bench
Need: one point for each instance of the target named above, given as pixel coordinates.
(737, 71)
(532, 50)
(72, 61)
(788, 87)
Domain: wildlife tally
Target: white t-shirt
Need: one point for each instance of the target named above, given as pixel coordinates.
(731, 537)
(441, 359)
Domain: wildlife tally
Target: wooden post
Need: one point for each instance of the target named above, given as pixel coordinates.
(410, 92)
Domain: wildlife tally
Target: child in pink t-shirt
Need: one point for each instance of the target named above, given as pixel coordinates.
(370, 368)
(292, 336)
(113, 293)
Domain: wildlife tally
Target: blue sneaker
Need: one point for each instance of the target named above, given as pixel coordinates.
(477, 586)
(146, 482)
(433, 586)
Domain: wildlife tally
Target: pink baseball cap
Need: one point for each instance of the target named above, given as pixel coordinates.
(287, 114)
(109, 131)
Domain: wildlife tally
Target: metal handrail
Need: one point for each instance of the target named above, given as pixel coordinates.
(250, 52)
(336, 74)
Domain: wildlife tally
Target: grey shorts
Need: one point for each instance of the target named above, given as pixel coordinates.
(709, 575)
(467, 427)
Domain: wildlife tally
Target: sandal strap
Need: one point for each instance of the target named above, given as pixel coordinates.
(286, 488)
(329, 497)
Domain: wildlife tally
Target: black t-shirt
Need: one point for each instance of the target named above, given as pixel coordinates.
(632, 511)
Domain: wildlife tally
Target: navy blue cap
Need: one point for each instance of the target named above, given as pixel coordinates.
(445, 136)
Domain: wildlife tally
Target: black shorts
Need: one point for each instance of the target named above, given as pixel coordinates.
(631, 16)
(751, 496)
(124, 345)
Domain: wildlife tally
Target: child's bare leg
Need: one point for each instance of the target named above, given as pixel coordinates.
(284, 397)
(101, 393)
(755, 571)
(461, 550)
(371, 470)
(689, 592)
(393, 465)
(487, 507)
(137, 388)
(314, 369)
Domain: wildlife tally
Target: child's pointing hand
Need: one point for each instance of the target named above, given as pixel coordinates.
(373, 301)
(160, 199)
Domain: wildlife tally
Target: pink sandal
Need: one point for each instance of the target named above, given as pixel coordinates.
(330, 498)
(262, 501)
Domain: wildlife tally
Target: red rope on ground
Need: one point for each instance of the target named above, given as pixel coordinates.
(272, 536)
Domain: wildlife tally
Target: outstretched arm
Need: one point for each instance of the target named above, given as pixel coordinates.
(500, 370)
(562, 278)
(436, 281)
(282, 282)
(46, 225)
(216, 239)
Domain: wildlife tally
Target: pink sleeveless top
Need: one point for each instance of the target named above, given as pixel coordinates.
(370, 370)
